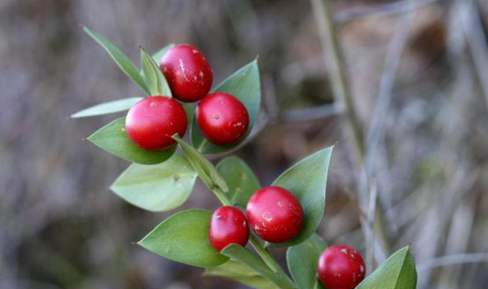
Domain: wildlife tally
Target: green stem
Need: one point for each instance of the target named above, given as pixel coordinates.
(221, 196)
(202, 145)
(271, 262)
(264, 254)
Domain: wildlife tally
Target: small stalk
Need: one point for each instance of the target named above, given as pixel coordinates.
(221, 196)
(271, 262)
(264, 254)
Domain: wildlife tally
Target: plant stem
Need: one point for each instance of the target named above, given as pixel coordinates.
(342, 91)
(221, 196)
(264, 254)
(270, 261)
(202, 145)
(340, 81)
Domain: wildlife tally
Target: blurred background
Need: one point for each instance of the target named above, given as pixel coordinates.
(418, 72)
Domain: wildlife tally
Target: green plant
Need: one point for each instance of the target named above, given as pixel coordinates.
(163, 179)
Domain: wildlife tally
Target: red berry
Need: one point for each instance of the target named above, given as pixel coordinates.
(341, 267)
(152, 122)
(187, 71)
(222, 118)
(228, 226)
(275, 214)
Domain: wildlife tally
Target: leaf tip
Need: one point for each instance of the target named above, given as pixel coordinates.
(140, 243)
(88, 31)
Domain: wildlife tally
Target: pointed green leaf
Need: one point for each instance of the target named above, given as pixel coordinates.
(183, 238)
(307, 180)
(397, 272)
(231, 268)
(108, 107)
(243, 84)
(240, 178)
(257, 282)
(158, 55)
(302, 261)
(122, 60)
(157, 188)
(239, 253)
(113, 139)
(155, 80)
(205, 169)
(241, 273)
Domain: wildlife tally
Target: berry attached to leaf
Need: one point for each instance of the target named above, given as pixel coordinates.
(152, 122)
(341, 267)
(275, 214)
(228, 226)
(222, 118)
(187, 71)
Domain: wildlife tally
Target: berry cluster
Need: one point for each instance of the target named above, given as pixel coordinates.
(177, 81)
(152, 122)
(275, 215)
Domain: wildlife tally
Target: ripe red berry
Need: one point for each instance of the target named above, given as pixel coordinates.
(341, 267)
(152, 122)
(228, 226)
(222, 118)
(275, 214)
(187, 71)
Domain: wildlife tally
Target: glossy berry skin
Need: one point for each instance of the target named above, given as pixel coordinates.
(222, 118)
(341, 267)
(228, 226)
(152, 122)
(275, 214)
(187, 71)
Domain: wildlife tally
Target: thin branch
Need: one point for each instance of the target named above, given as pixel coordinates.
(376, 131)
(311, 113)
(342, 91)
(455, 259)
(337, 69)
(387, 9)
(476, 39)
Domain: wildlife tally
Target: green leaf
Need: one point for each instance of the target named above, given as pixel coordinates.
(307, 180)
(122, 60)
(239, 253)
(158, 187)
(205, 169)
(158, 55)
(241, 273)
(257, 282)
(240, 178)
(155, 81)
(108, 107)
(397, 272)
(183, 238)
(302, 261)
(243, 84)
(113, 139)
